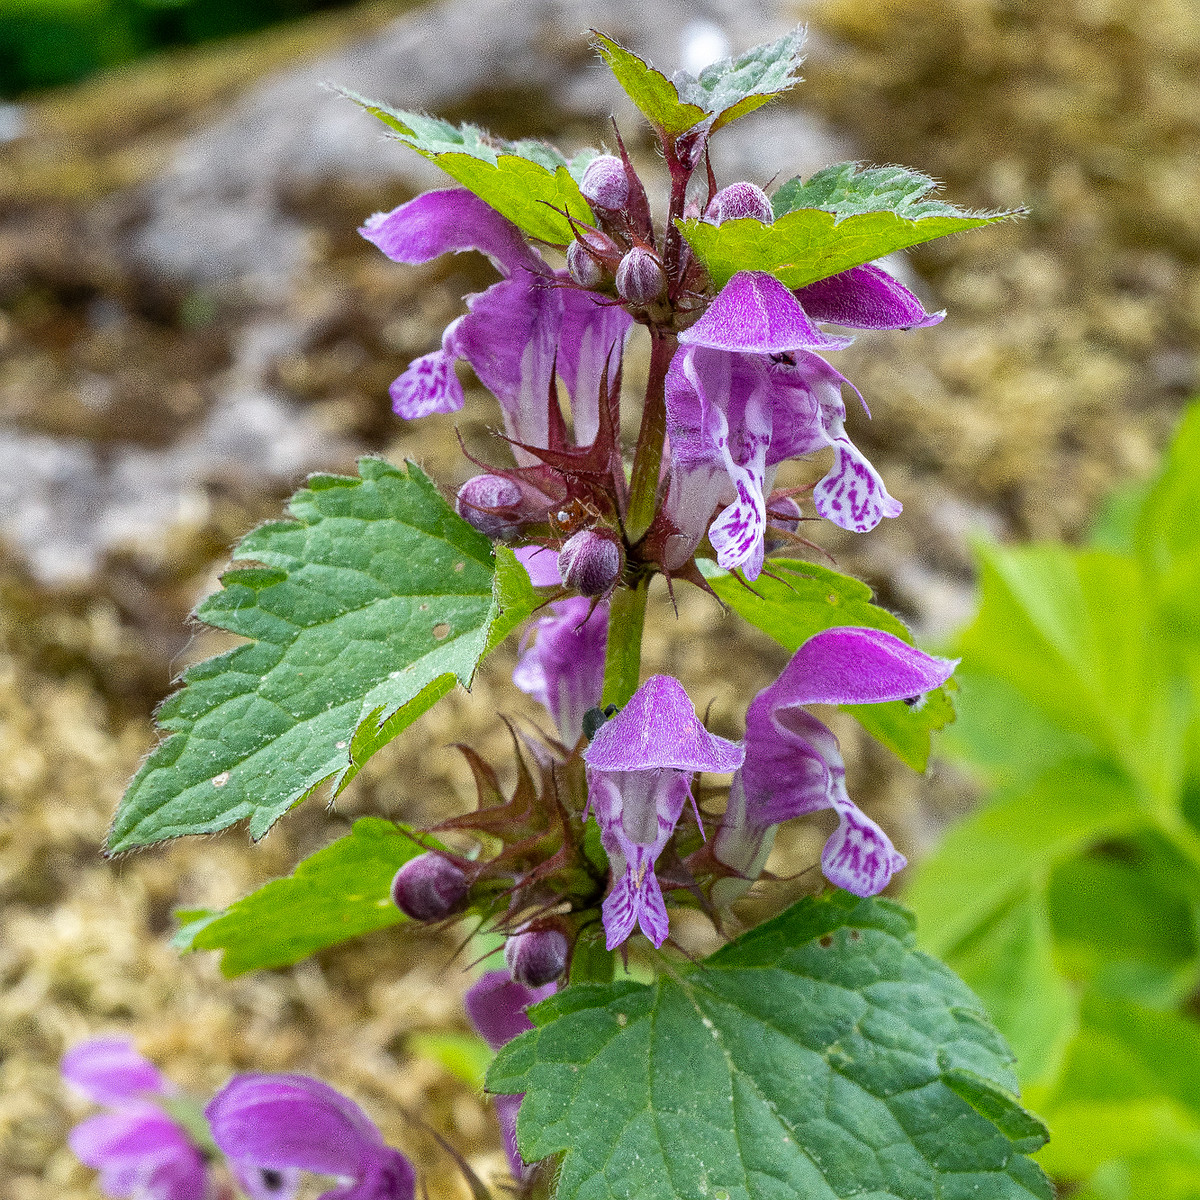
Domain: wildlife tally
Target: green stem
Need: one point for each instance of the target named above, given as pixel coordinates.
(623, 659)
(627, 614)
(647, 456)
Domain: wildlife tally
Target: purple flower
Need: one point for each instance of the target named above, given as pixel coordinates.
(639, 778)
(793, 765)
(562, 654)
(746, 392)
(496, 1007)
(140, 1151)
(279, 1124)
(515, 334)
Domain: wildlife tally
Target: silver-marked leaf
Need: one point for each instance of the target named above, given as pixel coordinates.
(529, 182)
(818, 1057)
(723, 91)
(368, 606)
(794, 599)
(842, 217)
(341, 892)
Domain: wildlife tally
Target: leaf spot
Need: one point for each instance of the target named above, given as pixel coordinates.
(832, 597)
(423, 608)
(622, 1020)
(826, 942)
(339, 745)
(220, 780)
(458, 566)
(441, 630)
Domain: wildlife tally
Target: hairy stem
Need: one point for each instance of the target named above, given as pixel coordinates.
(623, 660)
(647, 456)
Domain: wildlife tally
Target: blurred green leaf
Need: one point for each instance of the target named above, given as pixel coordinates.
(466, 1056)
(794, 599)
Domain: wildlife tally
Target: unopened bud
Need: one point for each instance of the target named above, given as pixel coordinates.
(591, 561)
(429, 887)
(536, 957)
(604, 183)
(740, 200)
(491, 503)
(640, 277)
(584, 269)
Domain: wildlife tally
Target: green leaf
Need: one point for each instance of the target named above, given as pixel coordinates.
(1009, 963)
(804, 599)
(464, 1055)
(525, 181)
(817, 1057)
(1012, 842)
(336, 894)
(840, 218)
(1077, 634)
(368, 607)
(723, 91)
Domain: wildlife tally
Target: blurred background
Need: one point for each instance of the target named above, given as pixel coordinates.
(189, 324)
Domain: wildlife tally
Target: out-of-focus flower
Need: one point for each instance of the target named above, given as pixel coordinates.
(562, 656)
(141, 1152)
(639, 778)
(496, 1007)
(281, 1124)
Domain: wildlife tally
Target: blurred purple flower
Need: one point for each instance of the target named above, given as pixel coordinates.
(562, 654)
(496, 1006)
(639, 769)
(516, 334)
(139, 1150)
(276, 1125)
(793, 765)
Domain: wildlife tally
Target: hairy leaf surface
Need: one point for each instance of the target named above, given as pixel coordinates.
(794, 599)
(817, 1057)
(369, 604)
(840, 218)
(336, 894)
(722, 92)
(529, 182)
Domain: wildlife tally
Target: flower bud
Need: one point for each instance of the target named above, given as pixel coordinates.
(591, 561)
(739, 200)
(584, 269)
(640, 277)
(491, 503)
(429, 887)
(604, 183)
(535, 957)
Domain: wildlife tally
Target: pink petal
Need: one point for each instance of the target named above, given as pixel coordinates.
(865, 297)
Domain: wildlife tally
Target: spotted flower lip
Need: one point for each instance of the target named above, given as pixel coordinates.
(793, 765)
(516, 335)
(733, 418)
(639, 769)
(285, 1123)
